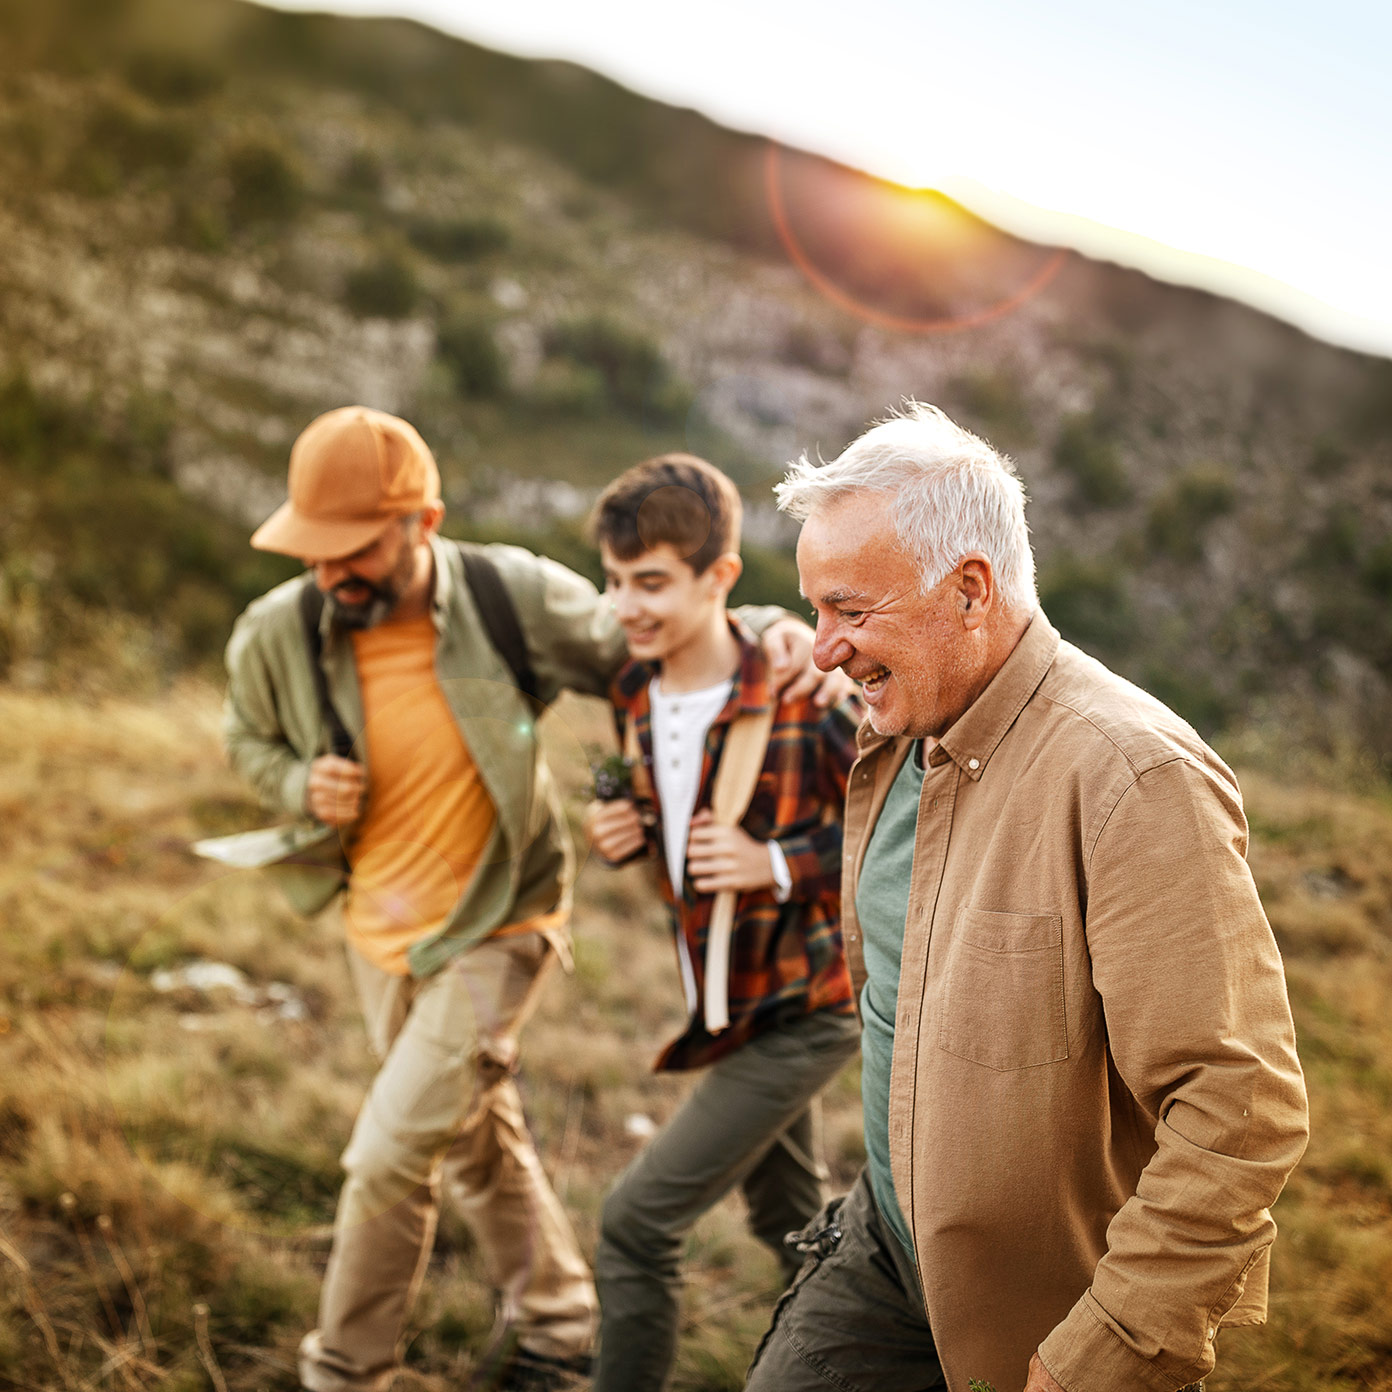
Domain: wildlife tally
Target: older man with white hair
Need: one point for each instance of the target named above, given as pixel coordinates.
(1080, 1084)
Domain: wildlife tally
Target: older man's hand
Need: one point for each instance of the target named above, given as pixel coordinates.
(787, 645)
(1039, 1379)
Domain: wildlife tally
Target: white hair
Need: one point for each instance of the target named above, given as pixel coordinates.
(953, 494)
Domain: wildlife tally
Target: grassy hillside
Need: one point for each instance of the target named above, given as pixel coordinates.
(220, 220)
(168, 1155)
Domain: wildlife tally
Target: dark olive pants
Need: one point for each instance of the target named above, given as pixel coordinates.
(852, 1319)
(747, 1124)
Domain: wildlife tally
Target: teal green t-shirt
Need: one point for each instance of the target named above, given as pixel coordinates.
(882, 905)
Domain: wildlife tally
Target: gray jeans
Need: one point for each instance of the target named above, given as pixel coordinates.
(747, 1123)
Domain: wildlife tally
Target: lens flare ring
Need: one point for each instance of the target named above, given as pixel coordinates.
(900, 323)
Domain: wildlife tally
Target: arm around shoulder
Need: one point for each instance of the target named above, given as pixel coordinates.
(572, 637)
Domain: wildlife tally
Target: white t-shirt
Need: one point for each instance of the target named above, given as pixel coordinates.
(680, 723)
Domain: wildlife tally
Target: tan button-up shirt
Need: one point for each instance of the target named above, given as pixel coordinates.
(1095, 1095)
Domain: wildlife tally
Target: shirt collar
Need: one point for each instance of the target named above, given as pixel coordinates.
(973, 737)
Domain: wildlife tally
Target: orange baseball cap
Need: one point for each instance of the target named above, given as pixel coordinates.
(353, 472)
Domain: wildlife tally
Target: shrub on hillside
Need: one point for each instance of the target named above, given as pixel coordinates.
(1087, 452)
(170, 77)
(995, 404)
(458, 239)
(266, 184)
(469, 348)
(817, 349)
(385, 287)
(1089, 602)
(197, 222)
(122, 140)
(1377, 570)
(363, 175)
(636, 377)
(769, 577)
(1189, 695)
(96, 527)
(1180, 516)
(565, 388)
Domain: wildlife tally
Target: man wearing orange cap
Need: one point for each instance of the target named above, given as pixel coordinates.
(459, 869)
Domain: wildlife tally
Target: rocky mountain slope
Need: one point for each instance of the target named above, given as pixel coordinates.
(219, 220)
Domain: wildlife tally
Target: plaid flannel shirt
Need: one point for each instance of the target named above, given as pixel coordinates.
(785, 959)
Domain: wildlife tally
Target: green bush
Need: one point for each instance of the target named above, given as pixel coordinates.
(1371, 417)
(384, 288)
(1181, 515)
(93, 494)
(565, 388)
(1087, 452)
(458, 239)
(363, 175)
(994, 403)
(1090, 604)
(818, 349)
(266, 184)
(468, 346)
(1190, 696)
(636, 377)
(769, 577)
(197, 223)
(171, 77)
(1377, 570)
(122, 141)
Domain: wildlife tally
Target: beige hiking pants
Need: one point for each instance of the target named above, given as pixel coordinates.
(443, 1113)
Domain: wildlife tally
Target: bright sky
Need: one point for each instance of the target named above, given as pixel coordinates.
(1256, 134)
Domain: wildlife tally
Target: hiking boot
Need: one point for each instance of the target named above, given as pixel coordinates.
(526, 1371)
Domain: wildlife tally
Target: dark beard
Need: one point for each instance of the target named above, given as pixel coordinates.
(369, 612)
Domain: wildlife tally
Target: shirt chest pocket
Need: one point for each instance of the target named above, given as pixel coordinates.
(1001, 1003)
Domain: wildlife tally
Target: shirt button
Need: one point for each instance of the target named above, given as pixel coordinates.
(973, 763)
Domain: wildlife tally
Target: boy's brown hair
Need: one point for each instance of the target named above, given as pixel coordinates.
(674, 498)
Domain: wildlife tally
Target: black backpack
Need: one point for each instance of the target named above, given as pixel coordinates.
(495, 606)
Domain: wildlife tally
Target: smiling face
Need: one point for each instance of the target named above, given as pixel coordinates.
(664, 608)
(915, 654)
(365, 588)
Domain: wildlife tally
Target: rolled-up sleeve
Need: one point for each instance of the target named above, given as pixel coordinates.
(1199, 1028)
(251, 730)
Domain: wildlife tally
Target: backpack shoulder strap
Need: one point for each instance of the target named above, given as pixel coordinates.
(311, 607)
(741, 761)
(499, 615)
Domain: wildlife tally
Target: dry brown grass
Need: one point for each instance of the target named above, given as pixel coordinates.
(168, 1161)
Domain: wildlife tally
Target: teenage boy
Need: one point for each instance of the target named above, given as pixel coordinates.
(773, 1022)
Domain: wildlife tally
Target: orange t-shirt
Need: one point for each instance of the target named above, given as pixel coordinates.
(428, 817)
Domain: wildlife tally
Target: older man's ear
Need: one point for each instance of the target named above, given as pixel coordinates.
(975, 591)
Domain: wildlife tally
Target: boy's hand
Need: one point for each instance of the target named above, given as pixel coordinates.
(614, 828)
(334, 793)
(721, 857)
(787, 646)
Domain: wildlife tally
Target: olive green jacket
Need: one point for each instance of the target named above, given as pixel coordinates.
(273, 727)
